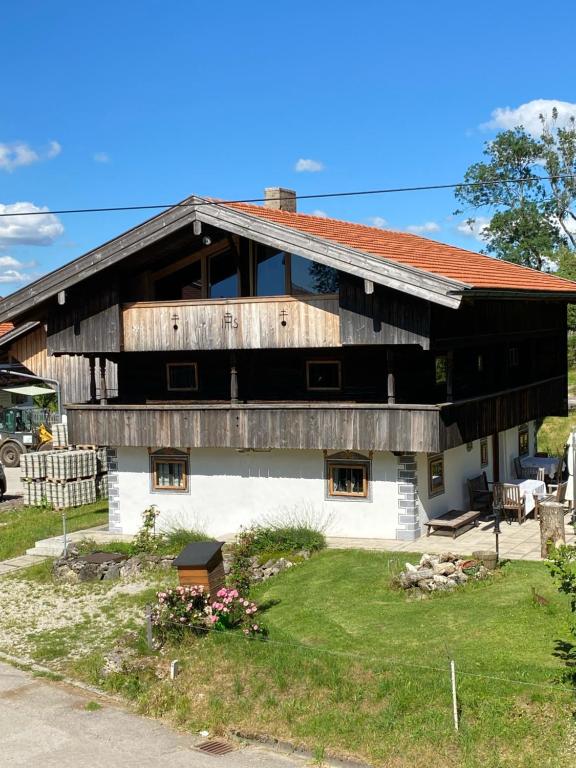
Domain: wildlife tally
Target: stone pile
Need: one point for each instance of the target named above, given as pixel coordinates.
(441, 572)
(272, 567)
(101, 566)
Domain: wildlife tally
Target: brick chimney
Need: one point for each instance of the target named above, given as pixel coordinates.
(280, 198)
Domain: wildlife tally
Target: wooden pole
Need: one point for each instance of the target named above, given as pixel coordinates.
(103, 389)
(454, 694)
(552, 531)
(391, 383)
(233, 379)
(92, 364)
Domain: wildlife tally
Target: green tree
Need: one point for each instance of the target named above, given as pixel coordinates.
(532, 217)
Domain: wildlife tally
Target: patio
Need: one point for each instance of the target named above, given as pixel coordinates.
(517, 542)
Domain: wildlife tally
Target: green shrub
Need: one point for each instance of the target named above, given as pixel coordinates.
(286, 539)
(176, 539)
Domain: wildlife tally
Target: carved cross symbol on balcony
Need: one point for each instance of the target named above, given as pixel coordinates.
(283, 316)
(175, 319)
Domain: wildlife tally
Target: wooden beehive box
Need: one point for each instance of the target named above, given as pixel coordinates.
(201, 562)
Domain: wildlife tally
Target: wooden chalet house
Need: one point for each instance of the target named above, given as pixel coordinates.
(273, 361)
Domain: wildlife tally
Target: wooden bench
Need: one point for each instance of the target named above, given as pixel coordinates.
(453, 521)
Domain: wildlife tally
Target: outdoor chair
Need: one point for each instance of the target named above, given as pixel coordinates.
(479, 493)
(527, 473)
(509, 500)
(558, 497)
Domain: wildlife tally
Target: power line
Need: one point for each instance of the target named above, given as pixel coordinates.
(318, 196)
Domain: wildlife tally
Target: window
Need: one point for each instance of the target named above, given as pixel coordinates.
(309, 277)
(270, 271)
(323, 375)
(347, 479)
(480, 363)
(441, 369)
(182, 377)
(169, 470)
(435, 475)
(223, 276)
(513, 357)
(523, 440)
(484, 453)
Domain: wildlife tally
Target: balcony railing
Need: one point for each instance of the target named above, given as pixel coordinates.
(247, 323)
(314, 425)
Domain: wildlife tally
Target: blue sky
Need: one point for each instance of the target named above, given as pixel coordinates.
(125, 103)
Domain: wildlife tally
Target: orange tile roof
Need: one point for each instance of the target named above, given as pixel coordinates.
(473, 269)
(5, 328)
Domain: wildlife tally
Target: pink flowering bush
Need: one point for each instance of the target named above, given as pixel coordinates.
(185, 609)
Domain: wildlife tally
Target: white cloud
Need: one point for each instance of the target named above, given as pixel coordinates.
(320, 214)
(40, 229)
(428, 226)
(528, 115)
(13, 276)
(304, 165)
(377, 221)
(101, 157)
(474, 228)
(54, 149)
(19, 154)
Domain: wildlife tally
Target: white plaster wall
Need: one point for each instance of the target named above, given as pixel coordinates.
(509, 450)
(229, 489)
(459, 465)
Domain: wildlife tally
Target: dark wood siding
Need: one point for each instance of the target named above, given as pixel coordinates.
(469, 420)
(382, 317)
(338, 427)
(87, 323)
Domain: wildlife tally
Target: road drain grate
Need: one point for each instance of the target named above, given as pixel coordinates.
(215, 747)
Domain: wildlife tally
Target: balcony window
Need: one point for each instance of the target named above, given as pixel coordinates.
(224, 282)
(323, 375)
(435, 475)
(169, 471)
(270, 271)
(308, 277)
(182, 377)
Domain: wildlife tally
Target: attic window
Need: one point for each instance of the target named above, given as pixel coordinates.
(323, 375)
(182, 377)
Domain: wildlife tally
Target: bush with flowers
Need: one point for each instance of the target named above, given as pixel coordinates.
(184, 609)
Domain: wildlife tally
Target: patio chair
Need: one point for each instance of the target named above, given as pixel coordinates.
(508, 498)
(558, 496)
(479, 493)
(527, 473)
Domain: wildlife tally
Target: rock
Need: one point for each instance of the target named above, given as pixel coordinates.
(448, 557)
(113, 572)
(426, 561)
(482, 573)
(303, 553)
(439, 579)
(444, 569)
(411, 568)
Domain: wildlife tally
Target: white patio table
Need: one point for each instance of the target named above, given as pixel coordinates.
(548, 464)
(527, 489)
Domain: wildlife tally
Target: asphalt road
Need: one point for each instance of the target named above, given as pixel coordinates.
(46, 724)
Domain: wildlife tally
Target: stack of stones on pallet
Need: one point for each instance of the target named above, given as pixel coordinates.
(102, 566)
(64, 478)
(441, 572)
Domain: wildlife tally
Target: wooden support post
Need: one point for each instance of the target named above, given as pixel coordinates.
(391, 384)
(233, 379)
(450, 376)
(92, 364)
(552, 531)
(103, 389)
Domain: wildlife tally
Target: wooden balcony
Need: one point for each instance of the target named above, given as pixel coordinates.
(247, 323)
(314, 425)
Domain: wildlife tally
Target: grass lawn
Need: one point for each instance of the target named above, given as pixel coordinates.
(352, 667)
(21, 528)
